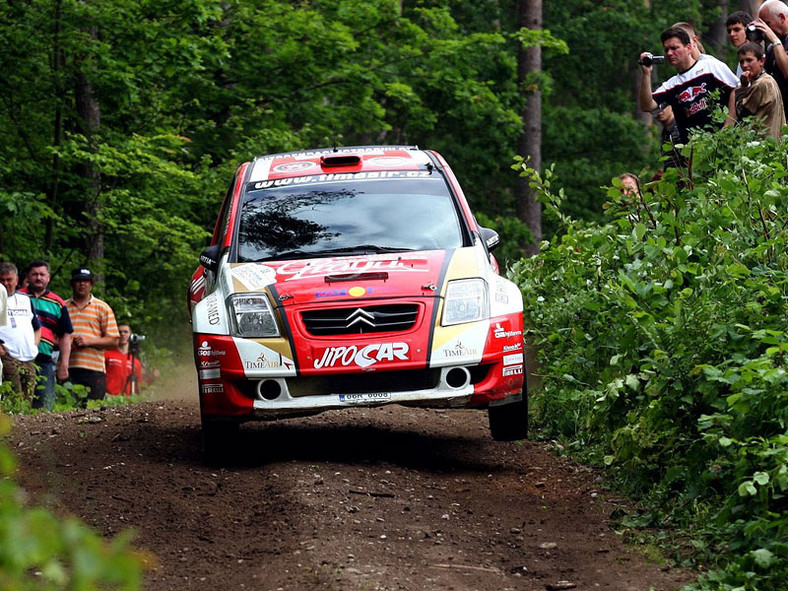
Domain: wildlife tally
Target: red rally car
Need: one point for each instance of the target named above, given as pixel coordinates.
(348, 277)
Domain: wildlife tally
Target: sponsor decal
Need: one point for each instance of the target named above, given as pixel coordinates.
(691, 92)
(357, 292)
(294, 166)
(212, 304)
(205, 350)
(210, 374)
(298, 270)
(513, 359)
(212, 388)
(306, 154)
(388, 161)
(459, 350)
(512, 371)
(340, 177)
(363, 356)
(254, 276)
(262, 362)
(501, 333)
(356, 398)
(331, 293)
(515, 347)
(501, 294)
(207, 364)
(697, 107)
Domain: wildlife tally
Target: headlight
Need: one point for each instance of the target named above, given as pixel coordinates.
(251, 316)
(466, 301)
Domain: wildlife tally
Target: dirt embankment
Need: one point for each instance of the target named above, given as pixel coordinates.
(387, 498)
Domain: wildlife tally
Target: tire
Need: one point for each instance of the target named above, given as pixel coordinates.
(218, 440)
(509, 422)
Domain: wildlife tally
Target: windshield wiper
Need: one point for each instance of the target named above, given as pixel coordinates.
(366, 249)
(348, 250)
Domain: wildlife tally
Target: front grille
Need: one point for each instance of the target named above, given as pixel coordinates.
(359, 383)
(361, 320)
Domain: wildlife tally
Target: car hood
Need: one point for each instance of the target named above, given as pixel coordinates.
(297, 282)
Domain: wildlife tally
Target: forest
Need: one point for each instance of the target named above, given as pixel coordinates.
(123, 123)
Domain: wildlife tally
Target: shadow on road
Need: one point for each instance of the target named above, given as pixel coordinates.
(261, 444)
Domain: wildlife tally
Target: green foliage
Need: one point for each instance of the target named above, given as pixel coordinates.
(663, 347)
(187, 90)
(39, 550)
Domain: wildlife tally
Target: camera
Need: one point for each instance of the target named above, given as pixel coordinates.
(650, 59)
(753, 33)
(135, 340)
(659, 109)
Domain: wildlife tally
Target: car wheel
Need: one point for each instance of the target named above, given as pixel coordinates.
(509, 422)
(218, 439)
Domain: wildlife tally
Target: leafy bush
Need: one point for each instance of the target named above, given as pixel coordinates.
(39, 550)
(662, 338)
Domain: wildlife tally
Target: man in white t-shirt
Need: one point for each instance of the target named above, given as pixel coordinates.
(3, 298)
(19, 337)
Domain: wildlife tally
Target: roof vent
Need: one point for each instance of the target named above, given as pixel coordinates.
(340, 160)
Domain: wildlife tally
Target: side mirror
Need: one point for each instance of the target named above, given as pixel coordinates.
(209, 258)
(490, 237)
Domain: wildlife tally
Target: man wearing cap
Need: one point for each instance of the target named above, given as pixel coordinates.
(95, 330)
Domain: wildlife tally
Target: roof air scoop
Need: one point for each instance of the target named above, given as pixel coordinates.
(335, 161)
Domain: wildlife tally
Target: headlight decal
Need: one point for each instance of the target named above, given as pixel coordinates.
(466, 300)
(251, 316)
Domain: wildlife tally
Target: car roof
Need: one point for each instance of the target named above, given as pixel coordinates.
(339, 160)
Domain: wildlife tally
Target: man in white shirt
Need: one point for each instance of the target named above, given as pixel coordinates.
(19, 337)
(3, 298)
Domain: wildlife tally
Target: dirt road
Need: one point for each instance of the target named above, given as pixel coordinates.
(387, 498)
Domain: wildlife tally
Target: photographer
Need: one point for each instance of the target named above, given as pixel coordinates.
(690, 91)
(740, 31)
(772, 22)
(125, 372)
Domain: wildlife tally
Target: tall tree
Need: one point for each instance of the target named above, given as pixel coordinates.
(529, 145)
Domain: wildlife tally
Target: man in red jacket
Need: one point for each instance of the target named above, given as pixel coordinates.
(124, 370)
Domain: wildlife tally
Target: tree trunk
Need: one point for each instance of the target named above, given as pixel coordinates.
(717, 35)
(89, 114)
(529, 61)
(57, 135)
(750, 7)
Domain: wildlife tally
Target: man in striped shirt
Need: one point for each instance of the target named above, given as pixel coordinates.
(55, 333)
(95, 330)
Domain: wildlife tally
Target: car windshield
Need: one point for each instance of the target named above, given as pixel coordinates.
(311, 217)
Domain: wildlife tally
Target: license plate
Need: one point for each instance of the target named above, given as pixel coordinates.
(365, 398)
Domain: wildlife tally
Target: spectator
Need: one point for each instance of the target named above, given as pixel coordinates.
(630, 185)
(3, 315)
(94, 331)
(737, 32)
(759, 95)
(668, 137)
(124, 369)
(772, 21)
(54, 348)
(698, 51)
(19, 337)
(689, 92)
